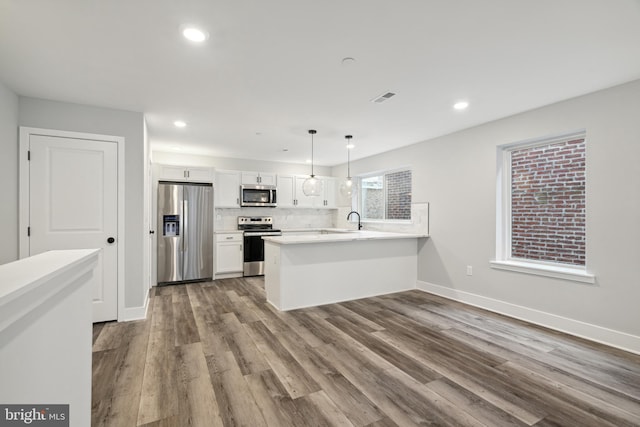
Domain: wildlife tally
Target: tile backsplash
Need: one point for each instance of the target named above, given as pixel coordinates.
(283, 218)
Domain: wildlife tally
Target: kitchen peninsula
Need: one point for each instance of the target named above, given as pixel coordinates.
(338, 265)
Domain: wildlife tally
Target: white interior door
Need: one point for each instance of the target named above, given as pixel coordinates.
(73, 204)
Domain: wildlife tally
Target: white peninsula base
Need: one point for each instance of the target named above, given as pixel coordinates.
(303, 274)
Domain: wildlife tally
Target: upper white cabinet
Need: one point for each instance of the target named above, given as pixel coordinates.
(286, 191)
(329, 186)
(290, 193)
(226, 189)
(185, 173)
(302, 200)
(262, 178)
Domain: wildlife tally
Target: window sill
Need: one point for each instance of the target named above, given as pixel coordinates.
(557, 272)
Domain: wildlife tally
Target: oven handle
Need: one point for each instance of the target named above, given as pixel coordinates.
(261, 233)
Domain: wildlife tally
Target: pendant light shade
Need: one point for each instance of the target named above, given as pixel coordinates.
(312, 186)
(348, 186)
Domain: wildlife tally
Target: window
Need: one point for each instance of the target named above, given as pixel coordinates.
(542, 207)
(386, 196)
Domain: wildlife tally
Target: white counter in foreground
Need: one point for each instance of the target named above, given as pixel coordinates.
(45, 332)
(309, 270)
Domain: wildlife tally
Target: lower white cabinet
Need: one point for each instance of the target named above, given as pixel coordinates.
(229, 253)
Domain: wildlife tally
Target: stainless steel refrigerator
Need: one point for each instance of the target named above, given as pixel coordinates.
(185, 238)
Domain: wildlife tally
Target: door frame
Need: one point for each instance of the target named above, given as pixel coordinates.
(23, 195)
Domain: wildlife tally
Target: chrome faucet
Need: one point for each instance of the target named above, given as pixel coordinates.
(349, 216)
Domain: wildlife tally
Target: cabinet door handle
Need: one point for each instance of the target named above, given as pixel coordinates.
(240, 248)
(229, 238)
(237, 201)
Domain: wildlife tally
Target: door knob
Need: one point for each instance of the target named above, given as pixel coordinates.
(111, 240)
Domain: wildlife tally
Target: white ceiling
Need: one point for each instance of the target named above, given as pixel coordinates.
(271, 70)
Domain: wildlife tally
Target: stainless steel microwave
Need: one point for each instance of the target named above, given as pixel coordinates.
(258, 195)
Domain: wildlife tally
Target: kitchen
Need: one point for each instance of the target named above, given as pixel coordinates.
(453, 170)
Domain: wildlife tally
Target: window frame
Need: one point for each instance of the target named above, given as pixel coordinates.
(503, 259)
(359, 199)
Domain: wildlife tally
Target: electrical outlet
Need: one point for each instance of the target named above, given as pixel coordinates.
(469, 270)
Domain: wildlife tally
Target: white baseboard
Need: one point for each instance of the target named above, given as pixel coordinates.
(135, 313)
(580, 329)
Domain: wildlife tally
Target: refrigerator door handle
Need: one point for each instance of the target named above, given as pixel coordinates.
(185, 223)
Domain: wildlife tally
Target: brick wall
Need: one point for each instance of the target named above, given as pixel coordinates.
(548, 202)
(398, 186)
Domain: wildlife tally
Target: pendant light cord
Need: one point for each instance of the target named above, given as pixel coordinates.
(312, 132)
(348, 138)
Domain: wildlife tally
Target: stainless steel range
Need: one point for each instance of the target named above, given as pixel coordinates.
(254, 228)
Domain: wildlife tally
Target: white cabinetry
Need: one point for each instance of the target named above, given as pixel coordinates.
(302, 200)
(262, 178)
(185, 173)
(227, 189)
(290, 193)
(229, 254)
(329, 192)
(286, 191)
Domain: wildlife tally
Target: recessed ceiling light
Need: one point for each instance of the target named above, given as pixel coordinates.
(383, 97)
(461, 105)
(350, 146)
(308, 161)
(176, 148)
(194, 34)
(179, 124)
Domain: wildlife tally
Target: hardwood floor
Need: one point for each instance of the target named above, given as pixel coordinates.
(216, 353)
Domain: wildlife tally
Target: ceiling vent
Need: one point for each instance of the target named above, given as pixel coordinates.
(384, 97)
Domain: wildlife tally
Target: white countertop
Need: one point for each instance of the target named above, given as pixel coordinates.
(338, 235)
(19, 277)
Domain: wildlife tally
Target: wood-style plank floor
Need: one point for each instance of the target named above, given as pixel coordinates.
(217, 354)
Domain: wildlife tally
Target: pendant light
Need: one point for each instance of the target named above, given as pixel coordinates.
(312, 186)
(348, 187)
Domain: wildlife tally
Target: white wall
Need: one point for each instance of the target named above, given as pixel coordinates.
(9, 174)
(82, 118)
(457, 175)
(147, 239)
